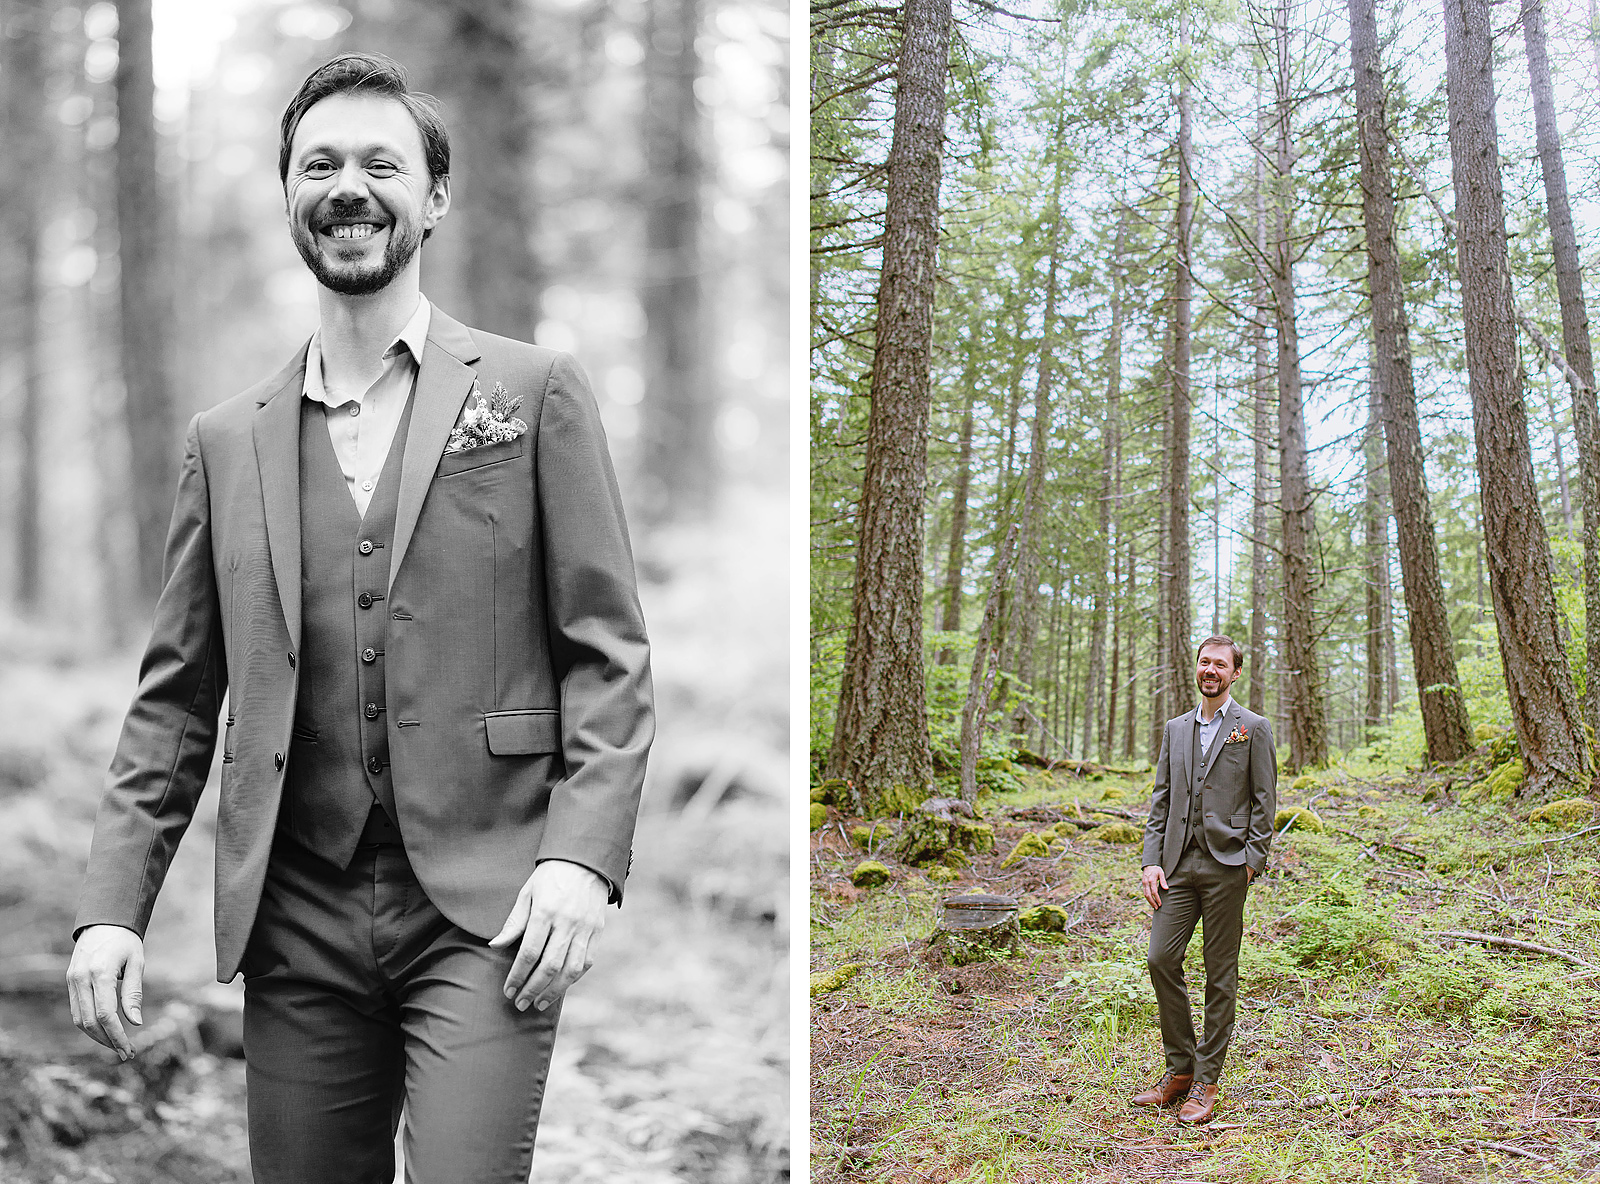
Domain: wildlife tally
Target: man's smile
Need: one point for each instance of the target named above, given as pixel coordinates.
(353, 230)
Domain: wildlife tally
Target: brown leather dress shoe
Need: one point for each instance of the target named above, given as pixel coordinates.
(1201, 1104)
(1169, 1089)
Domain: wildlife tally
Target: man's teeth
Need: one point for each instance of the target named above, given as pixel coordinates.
(359, 230)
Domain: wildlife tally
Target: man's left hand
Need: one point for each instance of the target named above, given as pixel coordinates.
(559, 913)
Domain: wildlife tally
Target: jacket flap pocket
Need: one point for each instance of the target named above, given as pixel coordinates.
(1242, 818)
(479, 457)
(518, 733)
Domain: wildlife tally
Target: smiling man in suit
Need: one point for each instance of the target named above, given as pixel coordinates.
(1210, 826)
(403, 559)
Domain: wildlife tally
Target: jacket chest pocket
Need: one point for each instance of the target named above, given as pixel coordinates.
(471, 459)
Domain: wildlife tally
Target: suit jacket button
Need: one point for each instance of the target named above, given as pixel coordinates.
(365, 600)
(366, 547)
(277, 761)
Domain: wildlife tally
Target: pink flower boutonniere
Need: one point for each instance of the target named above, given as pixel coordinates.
(487, 421)
(1238, 736)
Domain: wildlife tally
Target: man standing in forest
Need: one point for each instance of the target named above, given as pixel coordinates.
(423, 612)
(1210, 826)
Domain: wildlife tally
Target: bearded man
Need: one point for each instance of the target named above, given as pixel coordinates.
(1207, 837)
(403, 559)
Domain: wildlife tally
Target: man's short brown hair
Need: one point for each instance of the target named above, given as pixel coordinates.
(1219, 639)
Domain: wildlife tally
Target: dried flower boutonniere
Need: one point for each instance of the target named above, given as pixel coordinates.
(487, 421)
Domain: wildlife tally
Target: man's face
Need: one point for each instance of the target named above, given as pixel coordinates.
(1214, 672)
(357, 193)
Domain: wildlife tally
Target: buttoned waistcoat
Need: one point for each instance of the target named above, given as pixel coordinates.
(517, 676)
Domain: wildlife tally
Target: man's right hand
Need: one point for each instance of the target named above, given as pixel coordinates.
(105, 955)
(1152, 878)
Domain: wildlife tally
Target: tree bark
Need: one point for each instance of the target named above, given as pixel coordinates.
(1180, 661)
(1574, 338)
(1377, 538)
(1307, 723)
(1538, 680)
(985, 659)
(880, 738)
(145, 234)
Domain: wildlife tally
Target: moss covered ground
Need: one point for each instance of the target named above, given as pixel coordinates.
(1019, 1069)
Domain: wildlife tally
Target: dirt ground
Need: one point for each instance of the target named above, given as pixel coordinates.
(673, 1060)
(1353, 1001)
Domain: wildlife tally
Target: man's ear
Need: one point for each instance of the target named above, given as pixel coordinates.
(438, 204)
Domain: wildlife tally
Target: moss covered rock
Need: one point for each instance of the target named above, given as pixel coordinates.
(827, 981)
(819, 815)
(1565, 813)
(835, 791)
(1029, 846)
(1377, 813)
(1043, 918)
(1114, 793)
(1297, 818)
(941, 826)
(1115, 832)
(1485, 732)
(1499, 786)
(1304, 781)
(940, 874)
(870, 838)
(870, 873)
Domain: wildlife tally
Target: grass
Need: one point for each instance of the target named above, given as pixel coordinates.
(1019, 1070)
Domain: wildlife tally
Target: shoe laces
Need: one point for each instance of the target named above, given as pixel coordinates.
(1197, 1091)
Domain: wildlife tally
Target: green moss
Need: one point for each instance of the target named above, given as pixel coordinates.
(1562, 814)
(870, 874)
(1029, 846)
(870, 838)
(1339, 932)
(1114, 794)
(1376, 813)
(826, 981)
(943, 875)
(819, 815)
(1304, 781)
(926, 838)
(835, 791)
(895, 799)
(1115, 832)
(1485, 732)
(1044, 918)
(1297, 818)
(1499, 786)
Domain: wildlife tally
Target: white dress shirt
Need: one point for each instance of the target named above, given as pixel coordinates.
(1209, 729)
(362, 424)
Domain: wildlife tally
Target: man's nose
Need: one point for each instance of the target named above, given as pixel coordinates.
(350, 184)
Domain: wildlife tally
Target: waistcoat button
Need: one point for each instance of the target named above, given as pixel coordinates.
(277, 761)
(366, 547)
(374, 765)
(291, 659)
(372, 711)
(365, 600)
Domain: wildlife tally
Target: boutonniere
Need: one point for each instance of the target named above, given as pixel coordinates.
(487, 421)
(1238, 736)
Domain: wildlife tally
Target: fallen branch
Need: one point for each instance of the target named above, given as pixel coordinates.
(1512, 943)
(1508, 1148)
(1364, 1095)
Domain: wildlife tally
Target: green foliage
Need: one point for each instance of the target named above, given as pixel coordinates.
(1563, 814)
(825, 982)
(1443, 982)
(1341, 931)
(1094, 990)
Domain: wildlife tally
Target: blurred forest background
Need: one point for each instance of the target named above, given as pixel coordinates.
(620, 184)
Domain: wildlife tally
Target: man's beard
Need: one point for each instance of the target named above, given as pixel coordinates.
(1222, 685)
(404, 239)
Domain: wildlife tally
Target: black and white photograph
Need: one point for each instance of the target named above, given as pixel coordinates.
(395, 591)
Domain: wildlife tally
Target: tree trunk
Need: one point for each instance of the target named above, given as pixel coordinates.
(1446, 729)
(144, 224)
(1308, 737)
(955, 563)
(1574, 338)
(680, 459)
(985, 658)
(1562, 489)
(880, 738)
(1180, 661)
(1538, 679)
(1261, 490)
(1104, 544)
(1377, 538)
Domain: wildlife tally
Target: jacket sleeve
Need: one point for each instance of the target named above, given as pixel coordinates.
(1155, 827)
(1263, 797)
(164, 754)
(597, 636)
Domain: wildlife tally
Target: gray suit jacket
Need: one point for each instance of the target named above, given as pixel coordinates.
(517, 668)
(1239, 790)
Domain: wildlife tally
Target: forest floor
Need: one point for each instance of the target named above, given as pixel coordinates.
(1020, 1068)
(673, 1060)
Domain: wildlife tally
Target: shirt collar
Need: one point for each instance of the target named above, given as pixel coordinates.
(1215, 719)
(414, 337)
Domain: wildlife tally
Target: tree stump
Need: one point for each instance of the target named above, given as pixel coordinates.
(976, 926)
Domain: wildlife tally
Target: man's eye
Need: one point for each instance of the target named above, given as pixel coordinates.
(320, 168)
(381, 167)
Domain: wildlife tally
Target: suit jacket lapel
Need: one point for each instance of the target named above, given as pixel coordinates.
(444, 380)
(1178, 754)
(276, 431)
(1230, 716)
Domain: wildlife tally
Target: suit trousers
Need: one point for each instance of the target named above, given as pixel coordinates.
(1199, 889)
(361, 996)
